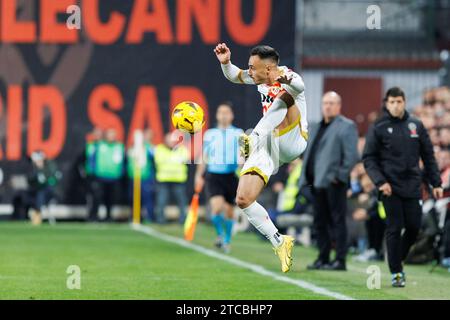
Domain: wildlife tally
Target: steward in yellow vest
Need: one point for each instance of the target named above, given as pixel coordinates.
(171, 175)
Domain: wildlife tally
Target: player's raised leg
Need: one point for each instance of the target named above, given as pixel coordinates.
(250, 187)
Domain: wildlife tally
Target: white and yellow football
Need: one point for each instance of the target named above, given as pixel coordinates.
(188, 116)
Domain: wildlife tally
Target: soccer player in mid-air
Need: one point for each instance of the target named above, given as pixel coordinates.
(279, 137)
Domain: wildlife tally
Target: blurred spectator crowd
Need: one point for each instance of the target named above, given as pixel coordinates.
(161, 170)
(108, 170)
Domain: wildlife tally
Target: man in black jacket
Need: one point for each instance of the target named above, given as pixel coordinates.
(394, 146)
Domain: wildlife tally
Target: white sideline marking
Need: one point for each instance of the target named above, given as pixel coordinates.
(253, 267)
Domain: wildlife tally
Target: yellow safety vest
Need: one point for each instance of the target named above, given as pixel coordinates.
(381, 210)
(291, 190)
(171, 164)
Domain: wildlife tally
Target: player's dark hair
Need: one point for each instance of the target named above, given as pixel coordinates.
(266, 52)
(395, 92)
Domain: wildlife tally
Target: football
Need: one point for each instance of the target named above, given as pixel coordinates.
(188, 117)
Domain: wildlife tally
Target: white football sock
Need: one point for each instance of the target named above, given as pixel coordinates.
(259, 218)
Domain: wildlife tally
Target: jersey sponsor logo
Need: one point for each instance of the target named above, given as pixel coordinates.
(267, 99)
(413, 130)
(273, 91)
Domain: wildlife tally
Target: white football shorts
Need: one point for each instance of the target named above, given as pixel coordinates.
(281, 147)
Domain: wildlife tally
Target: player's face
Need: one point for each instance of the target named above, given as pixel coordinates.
(258, 70)
(396, 106)
(224, 116)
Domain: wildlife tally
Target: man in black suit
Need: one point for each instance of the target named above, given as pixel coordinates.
(329, 158)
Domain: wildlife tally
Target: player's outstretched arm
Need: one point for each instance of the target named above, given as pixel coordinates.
(230, 71)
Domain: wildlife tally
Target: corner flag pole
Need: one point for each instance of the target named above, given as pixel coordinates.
(192, 217)
(138, 158)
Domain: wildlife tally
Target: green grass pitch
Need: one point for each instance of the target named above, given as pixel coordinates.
(117, 262)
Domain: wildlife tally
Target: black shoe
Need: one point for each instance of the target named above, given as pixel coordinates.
(336, 265)
(218, 243)
(317, 265)
(398, 280)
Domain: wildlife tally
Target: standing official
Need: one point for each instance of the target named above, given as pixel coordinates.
(109, 168)
(331, 155)
(394, 146)
(220, 161)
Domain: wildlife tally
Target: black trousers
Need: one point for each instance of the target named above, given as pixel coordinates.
(330, 206)
(375, 233)
(103, 193)
(91, 185)
(401, 213)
